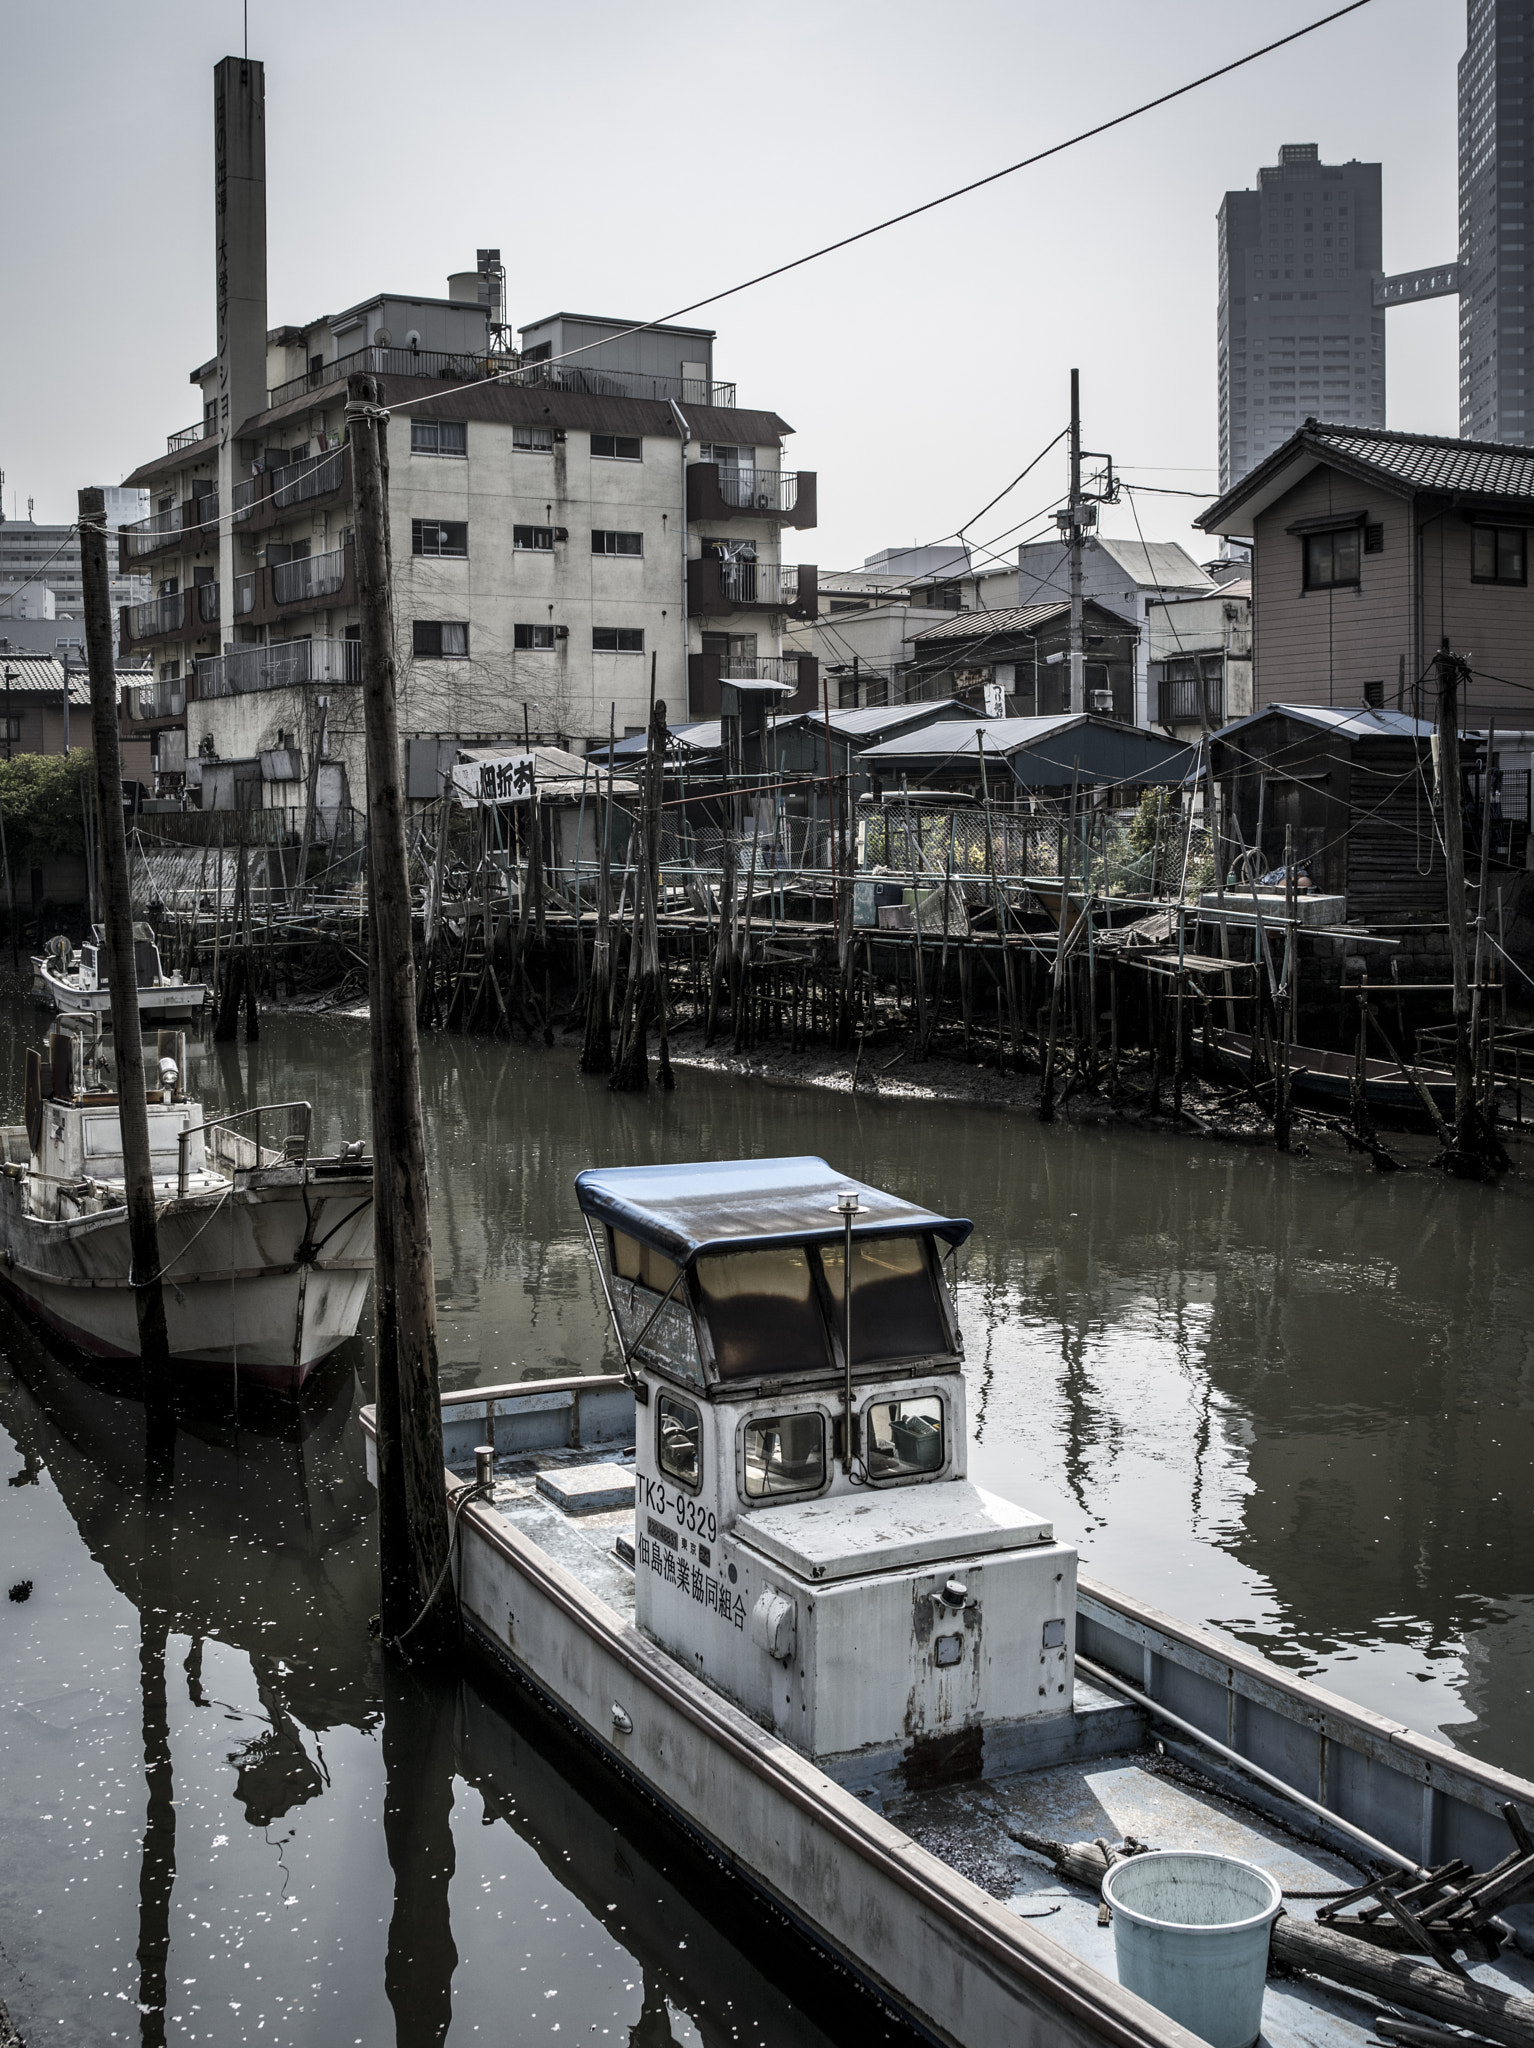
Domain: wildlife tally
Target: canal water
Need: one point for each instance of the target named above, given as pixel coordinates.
(1284, 1397)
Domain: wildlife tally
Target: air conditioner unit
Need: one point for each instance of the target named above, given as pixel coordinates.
(561, 632)
(561, 533)
(1102, 700)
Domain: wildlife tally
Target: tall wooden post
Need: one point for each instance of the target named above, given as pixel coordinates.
(117, 905)
(412, 1508)
(1450, 671)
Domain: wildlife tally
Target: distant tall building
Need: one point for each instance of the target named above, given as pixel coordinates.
(34, 557)
(1496, 191)
(1300, 334)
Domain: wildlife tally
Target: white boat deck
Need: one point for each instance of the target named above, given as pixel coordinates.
(981, 1828)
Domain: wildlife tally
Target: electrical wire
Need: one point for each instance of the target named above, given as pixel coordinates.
(959, 191)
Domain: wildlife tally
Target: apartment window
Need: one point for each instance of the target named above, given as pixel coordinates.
(316, 365)
(617, 639)
(439, 537)
(539, 439)
(1497, 555)
(538, 540)
(617, 447)
(605, 542)
(1331, 559)
(440, 639)
(170, 672)
(537, 639)
(732, 458)
(439, 437)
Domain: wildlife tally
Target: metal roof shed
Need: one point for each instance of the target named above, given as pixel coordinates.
(1038, 754)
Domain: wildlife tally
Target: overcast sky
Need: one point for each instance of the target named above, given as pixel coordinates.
(628, 159)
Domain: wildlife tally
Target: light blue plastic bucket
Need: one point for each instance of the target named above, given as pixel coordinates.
(1190, 1933)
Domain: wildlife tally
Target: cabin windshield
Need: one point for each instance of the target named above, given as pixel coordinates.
(762, 1312)
(896, 1312)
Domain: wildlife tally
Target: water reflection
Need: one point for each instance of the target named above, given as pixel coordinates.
(1291, 1399)
(322, 1846)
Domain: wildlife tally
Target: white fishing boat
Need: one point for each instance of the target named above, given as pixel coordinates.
(752, 1573)
(265, 1251)
(72, 980)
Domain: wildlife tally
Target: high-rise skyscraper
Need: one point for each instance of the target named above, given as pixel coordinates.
(1300, 334)
(1496, 192)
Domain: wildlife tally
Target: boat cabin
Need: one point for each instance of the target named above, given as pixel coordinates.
(806, 1537)
(90, 967)
(73, 1130)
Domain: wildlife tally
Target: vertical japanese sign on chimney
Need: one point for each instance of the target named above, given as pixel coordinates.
(239, 174)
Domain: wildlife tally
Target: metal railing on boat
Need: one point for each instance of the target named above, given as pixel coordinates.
(295, 1144)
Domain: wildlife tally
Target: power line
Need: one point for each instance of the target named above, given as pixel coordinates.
(945, 198)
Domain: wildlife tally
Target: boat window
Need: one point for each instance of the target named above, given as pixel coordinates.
(642, 1263)
(785, 1454)
(679, 1440)
(896, 1312)
(902, 1438)
(762, 1313)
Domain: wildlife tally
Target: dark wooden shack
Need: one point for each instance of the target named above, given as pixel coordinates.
(1357, 788)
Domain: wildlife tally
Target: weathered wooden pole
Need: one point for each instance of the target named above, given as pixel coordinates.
(1451, 668)
(412, 1510)
(128, 1043)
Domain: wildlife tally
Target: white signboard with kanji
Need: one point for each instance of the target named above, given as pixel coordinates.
(501, 779)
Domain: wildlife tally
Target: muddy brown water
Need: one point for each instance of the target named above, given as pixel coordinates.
(1286, 1398)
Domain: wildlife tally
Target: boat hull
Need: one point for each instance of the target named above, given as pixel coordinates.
(161, 1002)
(245, 1291)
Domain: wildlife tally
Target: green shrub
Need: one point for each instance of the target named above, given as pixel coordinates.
(43, 798)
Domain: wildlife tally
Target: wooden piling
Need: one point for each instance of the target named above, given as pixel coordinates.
(413, 1534)
(128, 1043)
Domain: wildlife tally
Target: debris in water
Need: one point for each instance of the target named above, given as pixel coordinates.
(22, 1590)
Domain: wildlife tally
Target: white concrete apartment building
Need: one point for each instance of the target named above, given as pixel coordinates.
(1127, 576)
(565, 518)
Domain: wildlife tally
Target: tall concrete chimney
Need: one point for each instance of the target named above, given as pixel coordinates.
(239, 173)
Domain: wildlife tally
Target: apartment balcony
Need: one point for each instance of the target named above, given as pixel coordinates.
(191, 524)
(270, 596)
(718, 490)
(714, 588)
(155, 703)
(315, 579)
(619, 384)
(706, 673)
(162, 618)
(263, 501)
(280, 665)
(1178, 689)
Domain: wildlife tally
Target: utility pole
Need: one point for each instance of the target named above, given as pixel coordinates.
(412, 1509)
(1078, 644)
(1452, 670)
(117, 907)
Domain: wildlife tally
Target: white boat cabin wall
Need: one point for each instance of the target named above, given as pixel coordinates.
(74, 1128)
(854, 1593)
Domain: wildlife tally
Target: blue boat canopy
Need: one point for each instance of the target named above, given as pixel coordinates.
(734, 1204)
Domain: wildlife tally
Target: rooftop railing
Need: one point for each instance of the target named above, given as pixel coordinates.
(315, 576)
(466, 368)
(283, 665)
(188, 437)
